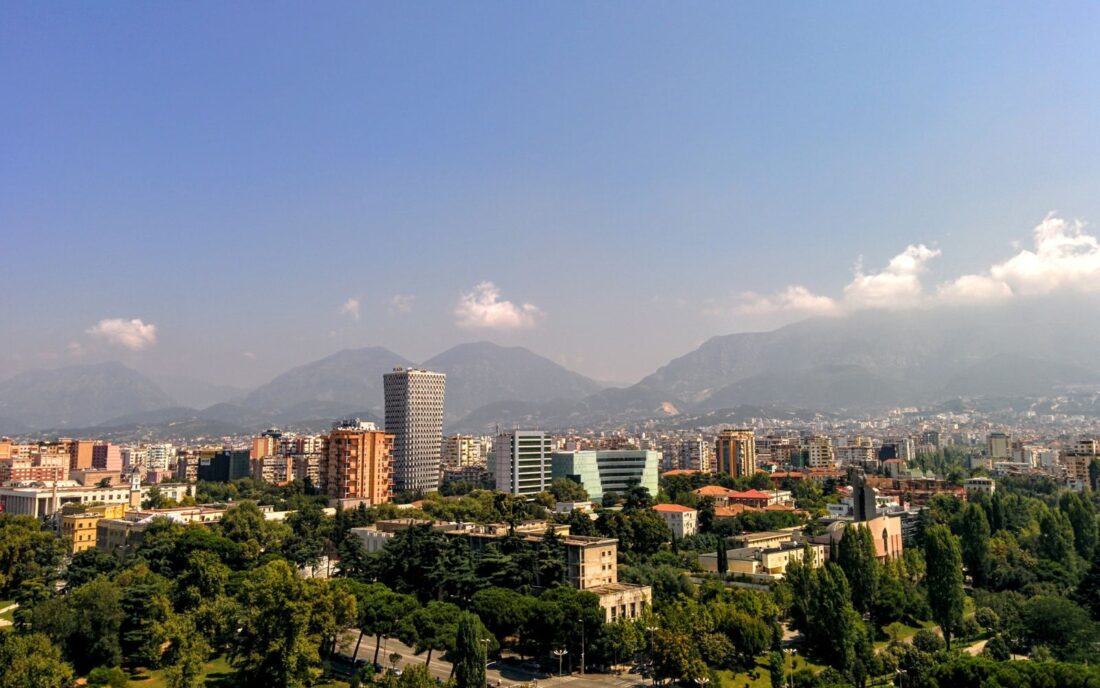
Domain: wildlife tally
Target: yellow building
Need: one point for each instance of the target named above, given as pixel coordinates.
(79, 526)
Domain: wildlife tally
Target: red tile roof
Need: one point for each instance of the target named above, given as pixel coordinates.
(672, 508)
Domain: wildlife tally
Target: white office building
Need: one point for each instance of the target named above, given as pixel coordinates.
(522, 463)
(414, 416)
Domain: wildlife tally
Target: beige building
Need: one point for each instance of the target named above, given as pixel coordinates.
(819, 452)
(765, 562)
(1075, 460)
(735, 452)
(683, 521)
(463, 450)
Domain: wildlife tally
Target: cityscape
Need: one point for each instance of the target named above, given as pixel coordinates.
(575, 345)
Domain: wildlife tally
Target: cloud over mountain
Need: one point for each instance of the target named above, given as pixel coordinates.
(483, 307)
(1064, 258)
(131, 334)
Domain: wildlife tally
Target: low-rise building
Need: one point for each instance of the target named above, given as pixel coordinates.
(683, 521)
(765, 562)
(78, 523)
(980, 484)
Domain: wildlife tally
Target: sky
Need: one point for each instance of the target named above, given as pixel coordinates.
(227, 190)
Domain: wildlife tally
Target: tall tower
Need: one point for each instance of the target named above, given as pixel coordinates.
(735, 452)
(414, 416)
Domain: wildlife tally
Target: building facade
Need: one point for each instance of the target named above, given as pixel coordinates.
(521, 462)
(414, 416)
(357, 463)
(601, 472)
(735, 452)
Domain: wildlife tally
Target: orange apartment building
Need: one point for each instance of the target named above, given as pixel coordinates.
(357, 464)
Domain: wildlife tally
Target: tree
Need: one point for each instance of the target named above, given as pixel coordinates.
(636, 498)
(566, 490)
(381, 611)
(31, 660)
(504, 612)
(857, 558)
(97, 614)
(944, 579)
(284, 622)
(974, 539)
(723, 562)
(777, 668)
(187, 652)
(27, 552)
(204, 577)
(834, 623)
(470, 652)
(1056, 538)
(145, 608)
(1088, 590)
(1060, 625)
(1081, 513)
(86, 566)
(430, 628)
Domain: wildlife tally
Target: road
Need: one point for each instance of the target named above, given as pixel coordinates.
(507, 674)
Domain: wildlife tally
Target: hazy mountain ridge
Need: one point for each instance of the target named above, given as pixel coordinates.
(872, 360)
(77, 396)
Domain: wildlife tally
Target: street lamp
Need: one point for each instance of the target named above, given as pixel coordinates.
(790, 676)
(702, 680)
(559, 653)
(485, 641)
(901, 676)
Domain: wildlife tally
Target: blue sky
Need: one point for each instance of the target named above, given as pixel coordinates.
(266, 183)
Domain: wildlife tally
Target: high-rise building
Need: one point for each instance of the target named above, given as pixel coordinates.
(819, 452)
(1075, 460)
(357, 463)
(735, 452)
(463, 450)
(224, 466)
(80, 454)
(267, 444)
(522, 462)
(414, 416)
(106, 457)
(999, 446)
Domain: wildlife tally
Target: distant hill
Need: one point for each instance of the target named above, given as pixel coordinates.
(482, 373)
(345, 381)
(78, 396)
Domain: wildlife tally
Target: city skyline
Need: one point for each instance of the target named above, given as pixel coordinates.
(520, 175)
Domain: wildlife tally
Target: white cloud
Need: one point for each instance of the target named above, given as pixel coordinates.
(132, 334)
(793, 299)
(482, 307)
(401, 303)
(75, 349)
(898, 285)
(351, 308)
(249, 355)
(1064, 257)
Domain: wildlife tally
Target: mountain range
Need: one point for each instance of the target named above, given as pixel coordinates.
(870, 360)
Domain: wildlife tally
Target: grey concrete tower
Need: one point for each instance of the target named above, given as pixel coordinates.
(414, 416)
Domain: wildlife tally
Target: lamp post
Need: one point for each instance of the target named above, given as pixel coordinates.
(702, 681)
(485, 642)
(901, 677)
(559, 653)
(790, 676)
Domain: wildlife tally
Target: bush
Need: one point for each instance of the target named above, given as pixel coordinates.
(927, 641)
(987, 619)
(111, 677)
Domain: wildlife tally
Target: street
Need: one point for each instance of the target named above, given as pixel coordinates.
(505, 674)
